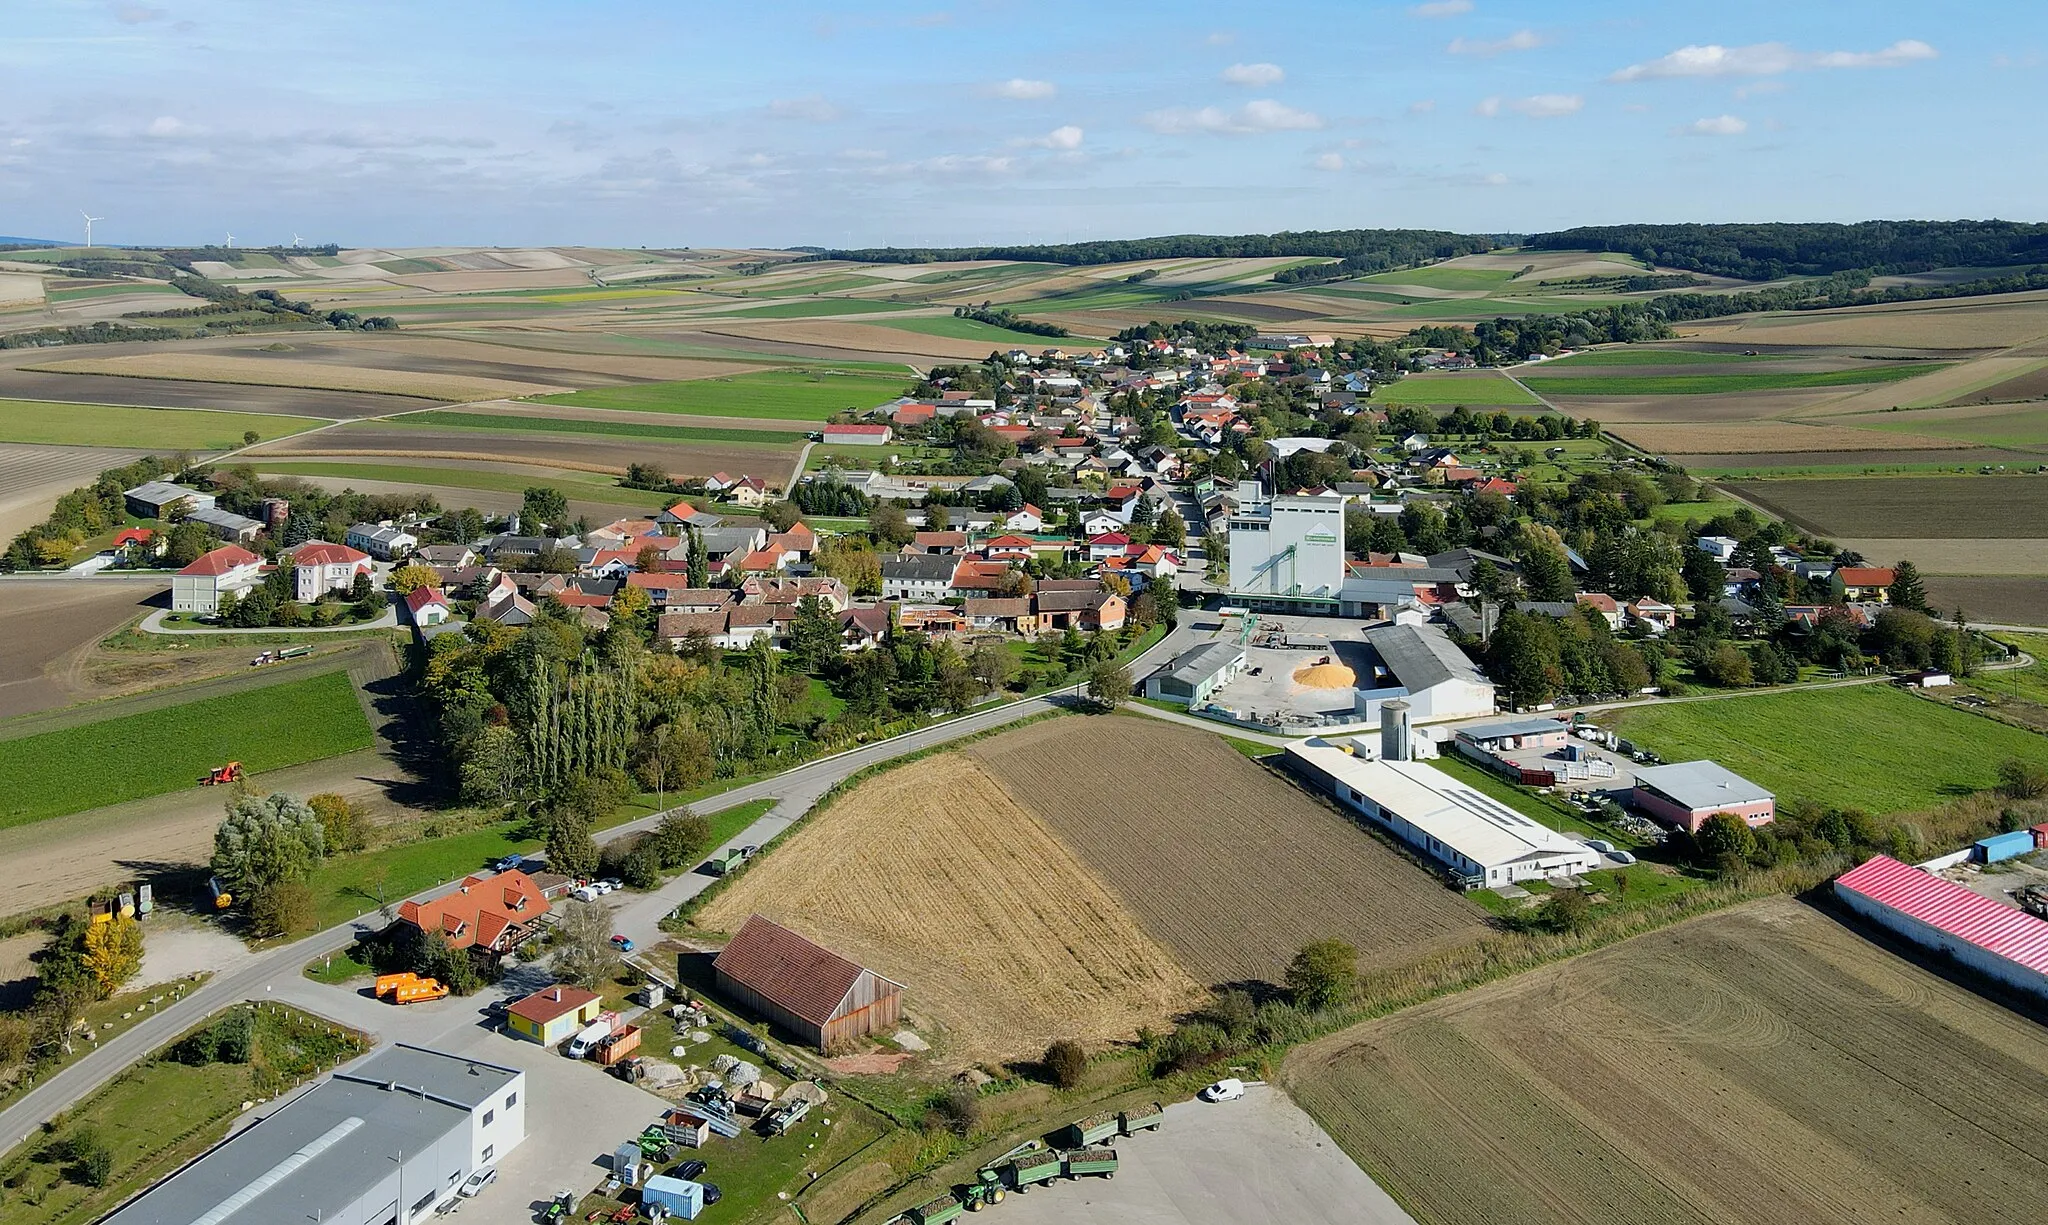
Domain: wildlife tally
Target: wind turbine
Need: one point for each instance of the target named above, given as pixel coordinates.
(231, 240)
(295, 238)
(89, 219)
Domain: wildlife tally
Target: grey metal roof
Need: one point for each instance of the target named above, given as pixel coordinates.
(1197, 665)
(719, 541)
(1422, 656)
(1501, 728)
(925, 567)
(319, 1154)
(1701, 784)
(159, 493)
(214, 516)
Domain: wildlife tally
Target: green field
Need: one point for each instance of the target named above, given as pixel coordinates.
(1864, 746)
(623, 429)
(1488, 308)
(1648, 355)
(1485, 389)
(1436, 277)
(975, 329)
(112, 291)
(1719, 384)
(786, 395)
(2008, 425)
(111, 425)
(575, 484)
(91, 765)
(815, 307)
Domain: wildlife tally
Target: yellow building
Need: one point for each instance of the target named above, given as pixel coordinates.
(552, 1014)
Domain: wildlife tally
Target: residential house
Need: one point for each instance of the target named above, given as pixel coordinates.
(1004, 614)
(1027, 518)
(1606, 605)
(793, 591)
(427, 606)
(1082, 604)
(722, 542)
(201, 586)
(493, 914)
(673, 593)
(507, 607)
(321, 567)
(1866, 583)
(1654, 615)
(1107, 545)
(917, 576)
(683, 515)
(947, 543)
(800, 540)
(747, 491)
(674, 629)
(621, 533)
(864, 627)
(382, 541)
(453, 555)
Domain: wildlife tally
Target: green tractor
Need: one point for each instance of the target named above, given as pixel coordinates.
(987, 1188)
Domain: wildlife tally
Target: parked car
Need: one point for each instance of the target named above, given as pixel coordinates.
(711, 1193)
(689, 1170)
(1601, 845)
(612, 884)
(585, 893)
(508, 863)
(479, 1180)
(1229, 1089)
(625, 944)
(1621, 857)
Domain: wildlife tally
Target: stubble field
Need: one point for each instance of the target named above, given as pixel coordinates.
(285, 372)
(1231, 867)
(1917, 507)
(1759, 1066)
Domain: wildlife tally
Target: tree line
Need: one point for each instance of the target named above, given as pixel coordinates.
(1766, 251)
(1378, 248)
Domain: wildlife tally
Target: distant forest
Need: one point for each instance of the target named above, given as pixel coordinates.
(1770, 250)
(1364, 250)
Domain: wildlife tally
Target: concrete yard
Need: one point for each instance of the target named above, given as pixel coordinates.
(1247, 1162)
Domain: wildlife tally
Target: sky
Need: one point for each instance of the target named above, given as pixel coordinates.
(962, 122)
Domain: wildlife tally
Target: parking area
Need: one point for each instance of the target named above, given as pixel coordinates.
(1250, 1162)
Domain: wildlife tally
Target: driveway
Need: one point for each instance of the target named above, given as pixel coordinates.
(1256, 1161)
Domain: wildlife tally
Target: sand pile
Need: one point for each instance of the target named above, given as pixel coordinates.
(1326, 676)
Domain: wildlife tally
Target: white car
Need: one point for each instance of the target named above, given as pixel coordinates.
(478, 1181)
(1228, 1089)
(585, 893)
(1601, 845)
(612, 884)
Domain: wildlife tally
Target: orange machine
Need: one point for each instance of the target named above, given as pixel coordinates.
(229, 773)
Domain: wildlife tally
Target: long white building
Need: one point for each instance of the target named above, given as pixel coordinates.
(1479, 840)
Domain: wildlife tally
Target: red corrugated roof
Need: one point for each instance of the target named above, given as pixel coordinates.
(807, 980)
(856, 429)
(1948, 907)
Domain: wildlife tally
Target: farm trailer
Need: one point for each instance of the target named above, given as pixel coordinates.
(1110, 1124)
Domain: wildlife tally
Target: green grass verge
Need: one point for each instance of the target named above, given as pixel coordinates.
(787, 395)
(1545, 810)
(1648, 355)
(437, 418)
(91, 765)
(350, 885)
(1486, 389)
(1864, 746)
(113, 425)
(1719, 384)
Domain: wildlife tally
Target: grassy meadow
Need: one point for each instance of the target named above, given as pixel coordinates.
(789, 395)
(622, 429)
(114, 425)
(1485, 389)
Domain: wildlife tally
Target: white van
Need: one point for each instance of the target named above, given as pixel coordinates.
(587, 1038)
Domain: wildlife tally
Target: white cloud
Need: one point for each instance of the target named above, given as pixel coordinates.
(1022, 90)
(1488, 107)
(1262, 115)
(166, 126)
(1719, 125)
(1548, 106)
(1330, 161)
(1422, 106)
(1520, 40)
(1496, 179)
(1066, 136)
(1767, 60)
(1221, 38)
(810, 109)
(1255, 76)
(1441, 8)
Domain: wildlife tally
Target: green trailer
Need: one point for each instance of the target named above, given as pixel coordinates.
(1030, 1169)
(1093, 1130)
(723, 862)
(1085, 1161)
(939, 1211)
(1141, 1118)
(298, 652)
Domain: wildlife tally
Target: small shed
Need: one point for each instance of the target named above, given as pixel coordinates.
(2040, 837)
(679, 1197)
(813, 993)
(552, 1014)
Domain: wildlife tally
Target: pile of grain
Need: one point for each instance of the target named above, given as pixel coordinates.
(1326, 676)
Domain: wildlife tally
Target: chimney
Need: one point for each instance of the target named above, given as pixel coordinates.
(1395, 736)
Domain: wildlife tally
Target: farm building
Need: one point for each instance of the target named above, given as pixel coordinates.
(917, 576)
(494, 913)
(858, 435)
(381, 1143)
(552, 1013)
(1289, 554)
(427, 606)
(1192, 676)
(1420, 665)
(382, 541)
(1481, 841)
(1687, 793)
(2009, 945)
(226, 524)
(1515, 734)
(201, 586)
(151, 500)
(812, 992)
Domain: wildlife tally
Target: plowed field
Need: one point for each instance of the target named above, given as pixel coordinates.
(1231, 867)
(1762, 1066)
(932, 875)
(285, 372)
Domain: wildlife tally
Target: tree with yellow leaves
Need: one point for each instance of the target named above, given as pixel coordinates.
(113, 952)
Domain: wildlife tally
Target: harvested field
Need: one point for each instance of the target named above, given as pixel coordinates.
(1950, 555)
(157, 429)
(1692, 410)
(573, 451)
(853, 338)
(445, 355)
(1841, 463)
(283, 371)
(2032, 385)
(1760, 1066)
(1764, 437)
(553, 411)
(1908, 507)
(797, 395)
(2001, 425)
(932, 874)
(1228, 865)
(175, 393)
(50, 627)
(1480, 389)
(1637, 382)
(32, 478)
(1962, 323)
(2000, 601)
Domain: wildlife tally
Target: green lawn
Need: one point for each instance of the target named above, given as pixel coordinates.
(626, 429)
(1437, 277)
(1650, 355)
(1865, 746)
(48, 774)
(788, 395)
(808, 308)
(575, 484)
(1681, 512)
(1483, 389)
(2029, 684)
(975, 329)
(2013, 425)
(113, 425)
(350, 885)
(1718, 384)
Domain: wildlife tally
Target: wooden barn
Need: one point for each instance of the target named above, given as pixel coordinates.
(813, 993)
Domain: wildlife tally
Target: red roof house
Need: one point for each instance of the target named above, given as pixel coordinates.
(487, 912)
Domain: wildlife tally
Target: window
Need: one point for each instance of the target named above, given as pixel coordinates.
(489, 1117)
(454, 1176)
(485, 1157)
(511, 1100)
(422, 1203)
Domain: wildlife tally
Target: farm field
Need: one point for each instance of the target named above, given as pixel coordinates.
(1630, 384)
(453, 419)
(165, 749)
(50, 626)
(1993, 322)
(1760, 1066)
(932, 874)
(1873, 747)
(463, 478)
(1225, 863)
(1484, 388)
(811, 307)
(285, 372)
(1915, 507)
(782, 394)
(540, 449)
(18, 383)
(974, 329)
(1652, 355)
(33, 477)
(2001, 601)
(1807, 442)
(109, 425)
(1995, 425)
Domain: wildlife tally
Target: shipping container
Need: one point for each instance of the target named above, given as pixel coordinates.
(2005, 846)
(619, 1046)
(679, 1197)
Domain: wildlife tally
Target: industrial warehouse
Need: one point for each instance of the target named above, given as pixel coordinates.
(381, 1144)
(2007, 945)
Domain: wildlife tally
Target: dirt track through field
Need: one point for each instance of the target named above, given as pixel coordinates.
(1232, 868)
(1765, 1066)
(932, 875)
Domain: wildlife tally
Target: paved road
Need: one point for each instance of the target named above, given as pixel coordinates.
(277, 973)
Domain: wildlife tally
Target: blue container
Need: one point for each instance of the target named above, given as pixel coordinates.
(2005, 846)
(682, 1198)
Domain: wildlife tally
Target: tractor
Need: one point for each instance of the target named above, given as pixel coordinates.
(229, 773)
(987, 1188)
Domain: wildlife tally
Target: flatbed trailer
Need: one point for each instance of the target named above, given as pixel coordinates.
(1084, 1162)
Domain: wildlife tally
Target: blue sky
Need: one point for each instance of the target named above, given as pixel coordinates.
(703, 123)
